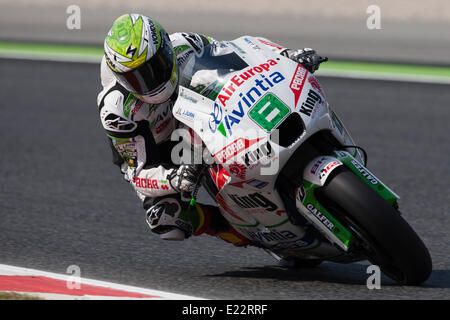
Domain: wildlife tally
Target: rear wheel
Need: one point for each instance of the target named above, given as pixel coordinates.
(385, 237)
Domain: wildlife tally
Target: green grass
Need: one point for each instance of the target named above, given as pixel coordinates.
(61, 52)
(17, 296)
(405, 69)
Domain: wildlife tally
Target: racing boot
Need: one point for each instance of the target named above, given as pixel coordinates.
(173, 219)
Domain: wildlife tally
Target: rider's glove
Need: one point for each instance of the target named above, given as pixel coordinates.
(307, 57)
(184, 178)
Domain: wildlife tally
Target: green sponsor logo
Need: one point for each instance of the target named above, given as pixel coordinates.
(268, 112)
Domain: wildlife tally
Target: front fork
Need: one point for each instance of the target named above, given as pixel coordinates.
(315, 176)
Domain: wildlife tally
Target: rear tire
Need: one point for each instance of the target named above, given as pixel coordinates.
(388, 240)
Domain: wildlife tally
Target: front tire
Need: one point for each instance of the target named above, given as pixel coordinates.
(387, 239)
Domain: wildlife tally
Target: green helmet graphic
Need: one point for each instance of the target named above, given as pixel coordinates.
(140, 54)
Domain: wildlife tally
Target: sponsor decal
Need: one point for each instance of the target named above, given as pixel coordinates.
(164, 184)
(254, 200)
(327, 169)
(236, 81)
(238, 170)
(162, 126)
(224, 123)
(150, 183)
(269, 112)
(250, 42)
(127, 150)
(319, 215)
(161, 116)
(295, 244)
(145, 183)
(253, 182)
(234, 148)
(215, 121)
(342, 154)
(137, 107)
(305, 241)
(297, 82)
(182, 59)
(257, 183)
(364, 172)
(154, 32)
(301, 193)
(188, 97)
(272, 235)
(316, 165)
(263, 152)
(239, 49)
(188, 114)
(315, 84)
(271, 44)
(308, 106)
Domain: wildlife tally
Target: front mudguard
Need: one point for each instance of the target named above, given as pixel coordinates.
(319, 169)
(315, 175)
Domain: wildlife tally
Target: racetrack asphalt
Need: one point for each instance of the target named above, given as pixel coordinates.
(63, 202)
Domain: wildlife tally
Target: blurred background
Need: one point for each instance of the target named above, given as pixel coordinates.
(63, 202)
(411, 31)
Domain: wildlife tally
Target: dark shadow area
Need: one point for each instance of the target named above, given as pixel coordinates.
(438, 279)
(352, 274)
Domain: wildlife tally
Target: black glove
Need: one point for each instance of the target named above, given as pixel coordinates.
(307, 57)
(185, 177)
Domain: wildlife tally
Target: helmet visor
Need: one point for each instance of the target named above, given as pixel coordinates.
(151, 74)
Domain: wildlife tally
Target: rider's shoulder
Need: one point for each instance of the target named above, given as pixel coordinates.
(182, 41)
(119, 109)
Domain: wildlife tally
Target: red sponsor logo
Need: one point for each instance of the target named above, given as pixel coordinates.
(298, 81)
(327, 169)
(163, 125)
(315, 84)
(238, 170)
(238, 80)
(146, 183)
(234, 148)
(271, 44)
(137, 107)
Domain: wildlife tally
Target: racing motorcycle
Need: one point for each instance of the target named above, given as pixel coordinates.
(284, 170)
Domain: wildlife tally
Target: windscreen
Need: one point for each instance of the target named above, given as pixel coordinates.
(207, 72)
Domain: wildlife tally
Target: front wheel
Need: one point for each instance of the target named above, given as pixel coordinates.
(385, 237)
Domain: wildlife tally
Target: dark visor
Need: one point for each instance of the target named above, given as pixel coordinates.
(151, 74)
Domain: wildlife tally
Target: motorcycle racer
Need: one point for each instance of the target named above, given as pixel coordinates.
(140, 75)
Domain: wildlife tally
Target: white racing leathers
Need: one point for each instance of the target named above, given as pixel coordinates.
(140, 133)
